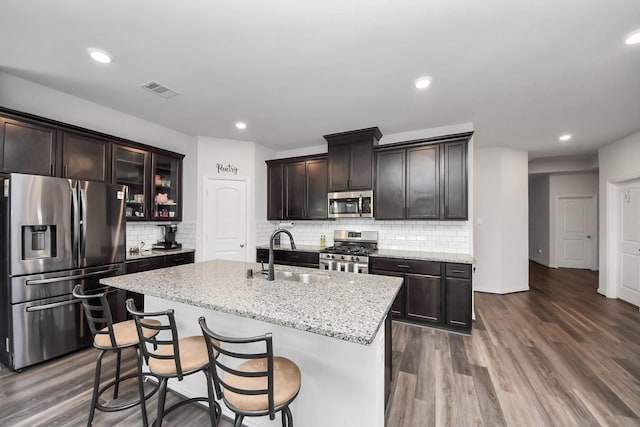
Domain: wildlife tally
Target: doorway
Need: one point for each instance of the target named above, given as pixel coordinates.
(577, 231)
(629, 246)
(225, 218)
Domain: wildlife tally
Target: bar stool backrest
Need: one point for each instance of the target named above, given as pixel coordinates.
(167, 323)
(234, 358)
(97, 312)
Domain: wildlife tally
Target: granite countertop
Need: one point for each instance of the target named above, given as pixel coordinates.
(156, 252)
(392, 253)
(425, 256)
(349, 307)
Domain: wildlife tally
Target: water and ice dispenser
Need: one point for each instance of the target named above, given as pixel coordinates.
(38, 241)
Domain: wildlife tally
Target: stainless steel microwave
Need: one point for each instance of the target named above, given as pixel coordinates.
(356, 204)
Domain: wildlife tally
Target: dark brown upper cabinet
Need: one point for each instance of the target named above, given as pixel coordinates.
(454, 177)
(351, 159)
(275, 188)
(27, 147)
(166, 185)
(294, 198)
(316, 189)
(85, 156)
(297, 188)
(422, 180)
(131, 168)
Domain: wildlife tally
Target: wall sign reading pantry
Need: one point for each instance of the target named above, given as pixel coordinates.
(36, 145)
(229, 168)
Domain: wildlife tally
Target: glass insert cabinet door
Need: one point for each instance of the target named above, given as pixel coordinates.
(130, 169)
(166, 188)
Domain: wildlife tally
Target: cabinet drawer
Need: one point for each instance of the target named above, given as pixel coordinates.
(179, 259)
(431, 268)
(144, 264)
(462, 271)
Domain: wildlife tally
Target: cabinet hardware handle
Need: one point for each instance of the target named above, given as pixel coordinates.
(457, 271)
(403, 266)
(51, 169)
(64, 172)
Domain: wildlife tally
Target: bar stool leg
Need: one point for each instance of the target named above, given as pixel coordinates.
(143, 405)
(162, 395)
(214, 411)
(238, 421)
(117, 384)
(96, 387)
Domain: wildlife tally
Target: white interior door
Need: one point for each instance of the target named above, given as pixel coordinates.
(576, 232)
(225, 219)
(629, 286)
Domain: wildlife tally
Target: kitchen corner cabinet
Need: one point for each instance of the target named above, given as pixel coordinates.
(131, 168)
(350, 156)
(422, 181)
(85, 156)
(166, 187)
(27, 147)
(297, 188)
(434, 293)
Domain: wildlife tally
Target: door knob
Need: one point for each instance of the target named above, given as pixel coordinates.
(588, 237)
(242, 245)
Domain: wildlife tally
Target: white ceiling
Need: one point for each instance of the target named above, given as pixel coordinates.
(522, 71)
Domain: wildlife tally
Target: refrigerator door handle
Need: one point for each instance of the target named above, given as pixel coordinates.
(75, 230)
(73, 277)
(53, 305)
(83, 226)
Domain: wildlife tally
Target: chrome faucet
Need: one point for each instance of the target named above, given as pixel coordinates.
(271, 273)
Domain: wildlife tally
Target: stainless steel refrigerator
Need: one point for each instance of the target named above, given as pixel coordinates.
(55, 233)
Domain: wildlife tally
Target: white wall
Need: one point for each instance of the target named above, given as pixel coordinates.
(539, 219)
(564, 164)
(501, 215)
(619, 162)
(567, 185)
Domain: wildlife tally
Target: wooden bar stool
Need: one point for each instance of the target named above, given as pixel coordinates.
(262, 385)
(173, 358)
(109, 336)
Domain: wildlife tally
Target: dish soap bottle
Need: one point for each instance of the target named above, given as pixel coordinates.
(323, 242)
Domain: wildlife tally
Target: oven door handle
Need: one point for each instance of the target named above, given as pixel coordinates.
(53, 305)
(72, 277)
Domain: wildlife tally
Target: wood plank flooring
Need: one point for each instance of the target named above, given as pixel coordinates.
(559, 355)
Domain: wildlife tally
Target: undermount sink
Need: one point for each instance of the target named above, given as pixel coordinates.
(299, 277)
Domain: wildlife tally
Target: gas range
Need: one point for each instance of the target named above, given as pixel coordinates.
(350, 252)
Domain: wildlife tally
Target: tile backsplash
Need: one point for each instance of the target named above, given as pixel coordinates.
(432, 236)
(150, 233)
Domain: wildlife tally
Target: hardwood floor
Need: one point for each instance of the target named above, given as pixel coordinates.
(559, 355)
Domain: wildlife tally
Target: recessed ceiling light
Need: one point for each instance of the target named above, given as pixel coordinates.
(564, 138)
(422, 82)
(100, 55)
(241, 125)
(633, 38)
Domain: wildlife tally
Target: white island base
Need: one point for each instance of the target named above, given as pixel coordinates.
(342, 382)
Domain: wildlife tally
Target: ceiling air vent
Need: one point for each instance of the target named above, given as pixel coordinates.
(158, 89)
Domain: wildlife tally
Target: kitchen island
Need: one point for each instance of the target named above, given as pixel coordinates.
(333, 329)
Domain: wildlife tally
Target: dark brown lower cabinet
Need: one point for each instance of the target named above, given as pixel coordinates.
(424, 298)
(435, 294)
(287, 257)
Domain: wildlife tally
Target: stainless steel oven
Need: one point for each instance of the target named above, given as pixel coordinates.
(350, 252)
(357, 204)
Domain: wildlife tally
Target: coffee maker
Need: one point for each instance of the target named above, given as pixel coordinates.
(169, 242)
